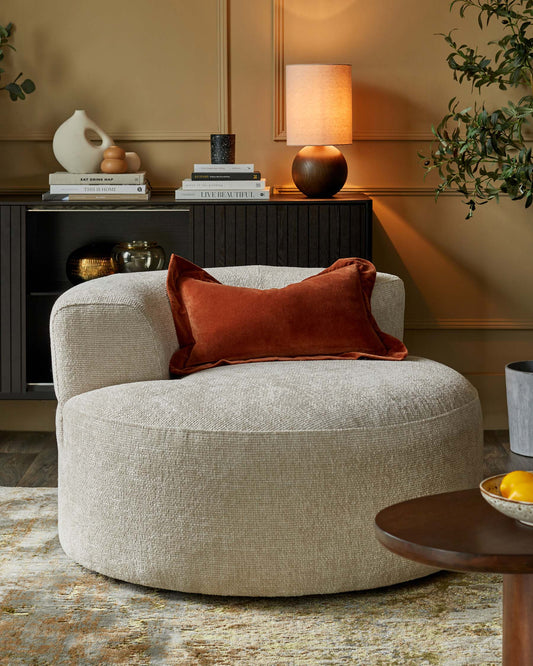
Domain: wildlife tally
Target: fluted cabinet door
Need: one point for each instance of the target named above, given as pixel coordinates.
(12, 291)
(294, 234)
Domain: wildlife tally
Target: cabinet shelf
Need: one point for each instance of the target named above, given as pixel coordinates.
(50, 290)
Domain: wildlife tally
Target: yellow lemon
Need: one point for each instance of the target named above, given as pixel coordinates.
(522, 492)
(512, 479)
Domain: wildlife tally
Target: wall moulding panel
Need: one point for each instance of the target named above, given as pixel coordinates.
(402, 83)
(469, 324)
(381, 191)
(462, 275)
(148, 135)
(282, 52)
(174, 57)
(491, 389)
(425, 197)
(376, 191)
(278, 68)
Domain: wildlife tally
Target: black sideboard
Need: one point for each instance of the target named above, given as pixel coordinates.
(36, 238)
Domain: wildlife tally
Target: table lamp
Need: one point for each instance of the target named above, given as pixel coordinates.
(319, 114)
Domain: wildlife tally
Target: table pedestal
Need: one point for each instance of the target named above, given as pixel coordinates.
(517, 619)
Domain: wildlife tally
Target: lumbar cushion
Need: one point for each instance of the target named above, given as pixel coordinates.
(326, 316)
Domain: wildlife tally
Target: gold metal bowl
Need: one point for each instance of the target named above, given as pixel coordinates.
(90, 262)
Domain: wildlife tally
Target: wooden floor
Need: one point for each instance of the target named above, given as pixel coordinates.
(30, 458)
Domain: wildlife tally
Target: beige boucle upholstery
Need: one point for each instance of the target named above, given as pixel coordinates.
(260, 479)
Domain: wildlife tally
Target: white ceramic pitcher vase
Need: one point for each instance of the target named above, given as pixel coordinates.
(72, 148)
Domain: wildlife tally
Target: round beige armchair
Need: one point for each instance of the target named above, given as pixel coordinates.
(261, 479)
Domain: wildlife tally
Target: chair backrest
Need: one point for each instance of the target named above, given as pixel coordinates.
(388, 297)
(119, 329)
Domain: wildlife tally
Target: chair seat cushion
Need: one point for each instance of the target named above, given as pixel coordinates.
(261, 479)
(285, 396)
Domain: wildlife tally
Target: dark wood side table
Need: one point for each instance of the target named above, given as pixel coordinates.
(461, 532)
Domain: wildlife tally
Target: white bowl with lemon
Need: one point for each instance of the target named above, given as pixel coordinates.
(511, 494)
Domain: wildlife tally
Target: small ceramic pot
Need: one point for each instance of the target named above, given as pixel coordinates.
(133, 161)
(222, 148)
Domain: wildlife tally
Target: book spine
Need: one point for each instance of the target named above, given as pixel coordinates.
(98, 189)
(189, 184)
(65, 178)
(214, 168)
(223, 194)
(107, 197)
(237, 175)
(46, 196)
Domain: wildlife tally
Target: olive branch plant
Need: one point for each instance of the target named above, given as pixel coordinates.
(478, 151)
(16, 90)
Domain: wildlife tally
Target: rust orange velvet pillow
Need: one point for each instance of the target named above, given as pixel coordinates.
(326, 316)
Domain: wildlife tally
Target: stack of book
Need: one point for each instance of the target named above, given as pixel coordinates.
(65, 186)
(224, 181)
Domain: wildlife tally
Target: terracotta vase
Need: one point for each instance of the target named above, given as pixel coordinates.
(133, 161)
(72, 148)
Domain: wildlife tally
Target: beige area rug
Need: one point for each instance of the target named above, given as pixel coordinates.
(53, 611)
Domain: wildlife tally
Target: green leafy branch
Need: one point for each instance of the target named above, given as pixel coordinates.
(478, 152)
(16, 90)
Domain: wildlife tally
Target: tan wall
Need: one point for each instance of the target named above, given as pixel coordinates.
(155, 79)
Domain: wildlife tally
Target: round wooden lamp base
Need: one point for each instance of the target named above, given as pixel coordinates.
(319, 171)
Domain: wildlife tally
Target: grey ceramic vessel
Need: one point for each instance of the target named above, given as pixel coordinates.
(519, 386)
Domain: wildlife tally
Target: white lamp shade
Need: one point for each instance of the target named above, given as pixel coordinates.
(319, 104)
